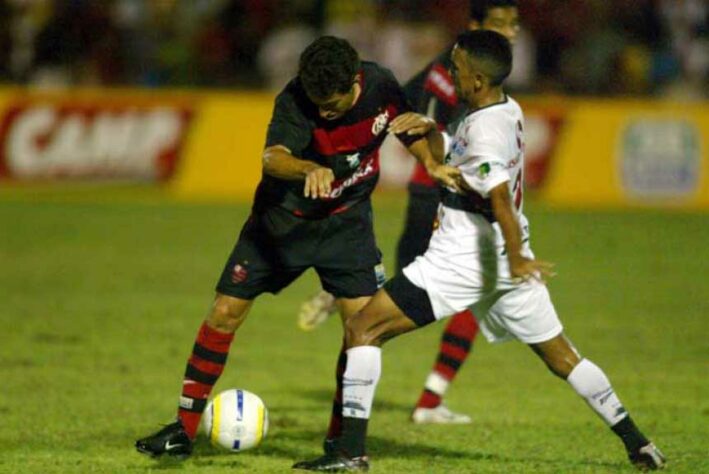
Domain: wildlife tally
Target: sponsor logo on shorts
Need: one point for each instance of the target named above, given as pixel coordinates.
(380, 274)
(239, 274)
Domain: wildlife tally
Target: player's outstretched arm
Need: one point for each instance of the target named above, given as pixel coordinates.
(280, 163)
(520, 266)
(444, 174)
(430, 149)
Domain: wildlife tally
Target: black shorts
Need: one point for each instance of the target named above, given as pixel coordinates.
(411, 300)
(275, 247)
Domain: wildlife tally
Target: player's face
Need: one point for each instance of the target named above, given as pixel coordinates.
(337, 105)
(503, 20)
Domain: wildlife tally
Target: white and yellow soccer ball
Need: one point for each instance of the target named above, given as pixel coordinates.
(236, 419)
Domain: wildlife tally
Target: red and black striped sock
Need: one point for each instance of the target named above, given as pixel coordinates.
(335, 428)
(455, 346)
(204, 367)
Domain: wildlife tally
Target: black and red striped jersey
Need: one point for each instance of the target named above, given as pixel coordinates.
(349, 145)
(432, 91)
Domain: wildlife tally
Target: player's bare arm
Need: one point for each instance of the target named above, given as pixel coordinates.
(444, 174)
(520, 266)
(280, 163)
(429, 151)
(412, 123)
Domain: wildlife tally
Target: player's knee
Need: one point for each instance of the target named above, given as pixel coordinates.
(561, 366)
(226, 315)
(358, 332)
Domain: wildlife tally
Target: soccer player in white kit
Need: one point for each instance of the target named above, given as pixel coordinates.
(479, 257)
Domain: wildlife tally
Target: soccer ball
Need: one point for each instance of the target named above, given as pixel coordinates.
(236, 419)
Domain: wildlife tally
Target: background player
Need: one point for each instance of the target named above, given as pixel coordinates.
(311, 209)
(479, 256)
(432, 92)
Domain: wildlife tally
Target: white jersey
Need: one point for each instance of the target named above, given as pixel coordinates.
(488, 148)
(466, 265)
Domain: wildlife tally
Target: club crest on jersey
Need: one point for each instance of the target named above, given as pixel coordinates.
(380, 122)
(239, 274)
(353, 160)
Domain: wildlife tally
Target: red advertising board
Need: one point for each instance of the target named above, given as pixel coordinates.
(92, 139)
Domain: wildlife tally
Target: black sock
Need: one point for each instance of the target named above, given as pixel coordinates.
(354, 433)
(631, 436)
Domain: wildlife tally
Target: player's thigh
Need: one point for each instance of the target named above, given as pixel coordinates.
(350, 307)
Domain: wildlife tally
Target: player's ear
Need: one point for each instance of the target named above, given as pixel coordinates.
(474, 25)
(479, 81)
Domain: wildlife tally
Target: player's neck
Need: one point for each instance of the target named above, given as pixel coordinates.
(494, 96)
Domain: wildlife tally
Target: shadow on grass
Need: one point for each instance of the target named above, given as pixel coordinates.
(302, 444)
(299, 444)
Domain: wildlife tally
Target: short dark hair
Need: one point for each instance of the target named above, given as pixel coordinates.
(490, 51)
(479, 8)
(328, 66)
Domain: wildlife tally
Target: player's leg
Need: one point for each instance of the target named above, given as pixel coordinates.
(347, 307)
(204, 366)
(589, 381)
(455, 346)
(379, 321)
(248, 272)
(459, 334)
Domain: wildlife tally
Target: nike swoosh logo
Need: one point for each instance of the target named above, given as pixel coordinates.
(188, 382)
(169, 447)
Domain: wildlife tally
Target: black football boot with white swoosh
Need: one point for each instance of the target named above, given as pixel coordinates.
(172, 440)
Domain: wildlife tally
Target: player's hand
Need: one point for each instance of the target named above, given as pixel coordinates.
(447, 176)
(524, 269)
(318, 182)
(412, 123)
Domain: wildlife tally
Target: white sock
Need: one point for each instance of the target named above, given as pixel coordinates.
(364, 366)
(436, 383)
(591, 383)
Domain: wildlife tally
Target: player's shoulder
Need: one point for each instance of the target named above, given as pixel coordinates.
(375, 74)
(492, 123)
(292, 100)
(499, 113)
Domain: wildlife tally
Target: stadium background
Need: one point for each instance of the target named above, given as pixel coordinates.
(130, 139)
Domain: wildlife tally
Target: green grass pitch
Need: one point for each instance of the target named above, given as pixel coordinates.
(101, 293)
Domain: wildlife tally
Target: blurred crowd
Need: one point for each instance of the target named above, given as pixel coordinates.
(591, 47)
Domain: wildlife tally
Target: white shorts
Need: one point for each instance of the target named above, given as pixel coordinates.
(504, 310)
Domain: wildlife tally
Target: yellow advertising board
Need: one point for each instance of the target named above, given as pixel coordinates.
(580, 153)
(630, 154)
(222, 156)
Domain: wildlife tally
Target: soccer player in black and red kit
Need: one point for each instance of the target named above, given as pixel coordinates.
(312, 209)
